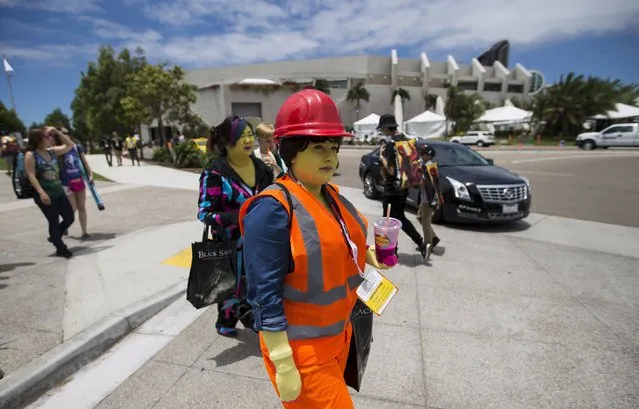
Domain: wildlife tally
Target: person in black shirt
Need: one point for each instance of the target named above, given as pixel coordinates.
(394, 196)
(118, 146)
(105, 145)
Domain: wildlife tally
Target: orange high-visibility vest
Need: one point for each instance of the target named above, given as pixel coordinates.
(319, 294)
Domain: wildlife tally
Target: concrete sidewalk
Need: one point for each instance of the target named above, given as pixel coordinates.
(45, 301)
(544, 314)
(497, 321)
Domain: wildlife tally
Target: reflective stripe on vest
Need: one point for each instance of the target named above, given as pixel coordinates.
(315, 293)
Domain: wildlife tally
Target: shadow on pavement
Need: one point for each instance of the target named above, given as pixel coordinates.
(248, 346)
(492, 228)
(407, 259)
(11, 266)
(95, 237)
(84, 250)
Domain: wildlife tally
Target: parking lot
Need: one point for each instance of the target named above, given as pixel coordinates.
(596, 185)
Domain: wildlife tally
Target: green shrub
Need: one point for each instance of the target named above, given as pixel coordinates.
(162, 155)
(187, 155)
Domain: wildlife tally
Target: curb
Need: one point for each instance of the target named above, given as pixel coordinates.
(28, 383)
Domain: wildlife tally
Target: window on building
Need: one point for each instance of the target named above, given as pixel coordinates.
(247, 109)
(492, 86)
(343, 84)
(467, 85)
(516, 88)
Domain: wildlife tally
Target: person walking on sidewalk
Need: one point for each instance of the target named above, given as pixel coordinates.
(116, 143)
(43, 170)
(394, 196)
(225, 185)
(131, 144)
(107, 149)
(73, 181)
(430, 195)
(305, 260)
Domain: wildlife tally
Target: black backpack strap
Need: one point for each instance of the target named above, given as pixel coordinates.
(290, 203)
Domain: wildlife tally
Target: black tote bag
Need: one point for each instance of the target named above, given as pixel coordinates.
(360, 348)
(213, 266)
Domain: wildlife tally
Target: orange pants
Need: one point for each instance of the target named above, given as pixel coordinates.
(323, 385)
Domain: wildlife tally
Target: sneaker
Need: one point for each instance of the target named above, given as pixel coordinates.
(435, 241)
(429, 251)
(66, 253)
(85, 236)
(423, 248)
(226, 331)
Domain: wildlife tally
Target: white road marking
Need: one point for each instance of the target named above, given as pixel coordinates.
(91, 384)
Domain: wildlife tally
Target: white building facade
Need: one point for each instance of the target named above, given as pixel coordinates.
(219, 92)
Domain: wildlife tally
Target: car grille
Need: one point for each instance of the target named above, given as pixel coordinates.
(503, 193)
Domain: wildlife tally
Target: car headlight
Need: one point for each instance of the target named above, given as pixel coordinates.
(459, 188)
(527, 182)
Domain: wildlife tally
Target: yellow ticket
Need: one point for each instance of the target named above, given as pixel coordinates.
(376, 291)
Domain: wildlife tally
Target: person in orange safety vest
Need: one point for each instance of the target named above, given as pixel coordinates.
(307, 253)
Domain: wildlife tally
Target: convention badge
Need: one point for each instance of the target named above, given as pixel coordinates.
(376, 291)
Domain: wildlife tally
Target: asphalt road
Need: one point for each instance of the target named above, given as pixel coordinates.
(598, 185)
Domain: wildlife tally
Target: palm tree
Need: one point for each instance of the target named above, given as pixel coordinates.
(462, 109)
(322, 85)
(356, 94)
(430, 100)
(403, 95)
(566, 105)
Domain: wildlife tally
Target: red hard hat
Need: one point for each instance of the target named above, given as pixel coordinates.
(309, 113)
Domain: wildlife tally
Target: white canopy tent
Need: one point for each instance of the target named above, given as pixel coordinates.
(505, 114)
(257, 81)
(622, 111)
(367, 125)
(426, 125)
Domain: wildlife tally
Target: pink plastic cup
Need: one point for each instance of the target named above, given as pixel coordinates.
(386, 232)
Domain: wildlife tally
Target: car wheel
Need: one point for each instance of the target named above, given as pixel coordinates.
(369, 187)
(480, 144)
(589, 145)
(455, 141)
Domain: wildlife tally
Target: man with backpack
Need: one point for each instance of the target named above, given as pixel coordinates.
(400, 170)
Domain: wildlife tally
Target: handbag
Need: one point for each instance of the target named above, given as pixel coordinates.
(360, 347)
(213, 266)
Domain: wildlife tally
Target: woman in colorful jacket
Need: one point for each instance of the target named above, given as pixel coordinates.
(233, 177)
(302, 280)
(73, 180)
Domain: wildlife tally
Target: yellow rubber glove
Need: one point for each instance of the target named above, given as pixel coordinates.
(371, 259)
(287, 377)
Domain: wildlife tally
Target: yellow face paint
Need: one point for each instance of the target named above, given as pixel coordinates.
(316, 165)
(244, 145)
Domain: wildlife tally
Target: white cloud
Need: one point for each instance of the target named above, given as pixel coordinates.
(53, 54)
(260, 30)
(58, 6)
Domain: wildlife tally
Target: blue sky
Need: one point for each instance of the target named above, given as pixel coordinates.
(49, 42)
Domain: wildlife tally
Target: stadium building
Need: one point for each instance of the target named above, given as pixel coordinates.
(259, 90)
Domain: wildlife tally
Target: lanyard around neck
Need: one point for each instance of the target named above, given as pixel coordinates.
(337, 214)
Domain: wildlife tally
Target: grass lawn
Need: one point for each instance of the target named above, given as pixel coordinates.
(99, 178)
(3, 164)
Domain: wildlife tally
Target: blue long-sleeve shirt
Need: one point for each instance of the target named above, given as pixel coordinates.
(267, 262)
